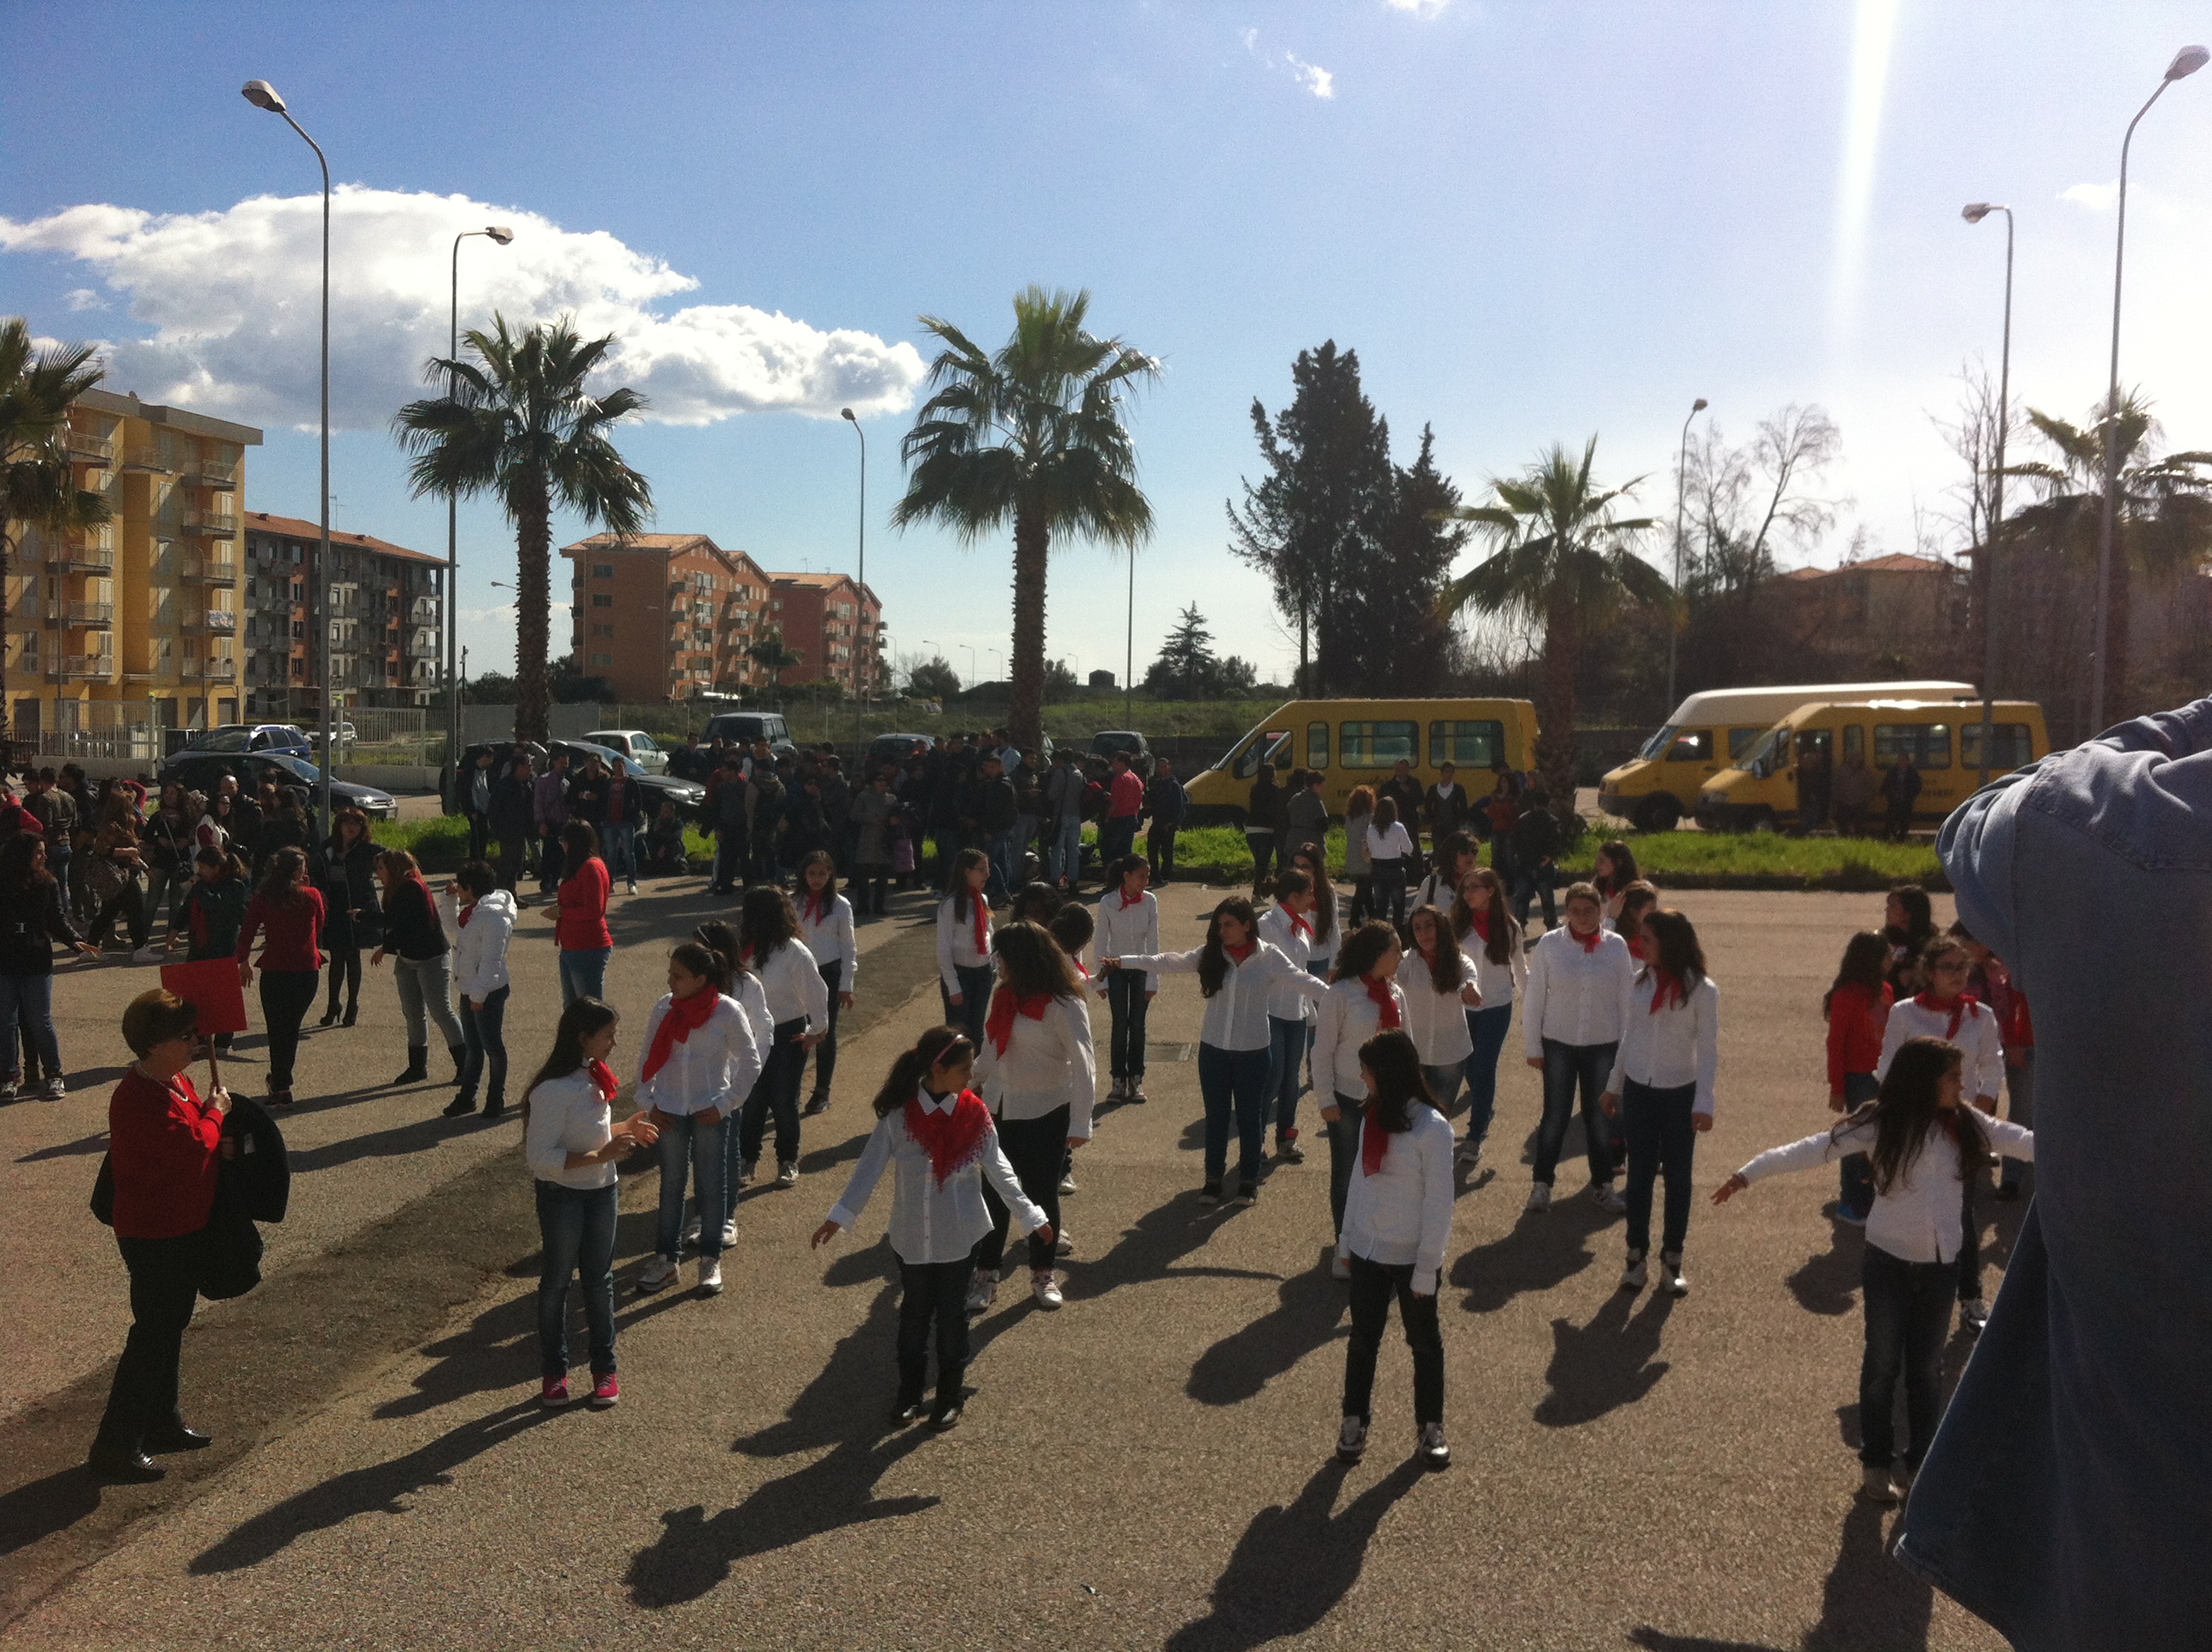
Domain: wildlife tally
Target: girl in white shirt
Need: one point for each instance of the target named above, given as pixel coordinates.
(701, 1061)
(1579, 979)
(1397, 1227)
(1482, 920)
(798, 1005)
(479, 919)
(572, 1148)
(1456, 857)
(1128, 920)
(825, 924)
(1661, 1088)
(963, 944)
(1235, 970)
(1327, 927)
(1921, 1143)
(1036, 1072)
(1362, 999)
(936, 1136)
(1438, 982)
(1389, 846)
(1288, 927)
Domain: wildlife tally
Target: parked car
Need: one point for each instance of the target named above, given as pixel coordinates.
(690, 799)
(746, 726)
(634, 743)
(200, 770)
(893, 749)
(1108, 741)
(250, 736)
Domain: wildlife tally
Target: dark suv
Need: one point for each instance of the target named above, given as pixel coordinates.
(744, 727)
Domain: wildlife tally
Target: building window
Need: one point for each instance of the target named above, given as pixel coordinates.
(603, 659)
(601, 599)
(603, 570)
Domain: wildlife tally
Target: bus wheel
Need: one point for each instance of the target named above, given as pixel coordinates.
(1659, 814)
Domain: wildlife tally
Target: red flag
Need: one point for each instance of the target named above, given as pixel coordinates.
(211, 987)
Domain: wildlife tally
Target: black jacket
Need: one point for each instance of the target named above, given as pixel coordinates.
(263, 1170)
(30, 921)
(991, 804)
(511, 819)
(411, 923)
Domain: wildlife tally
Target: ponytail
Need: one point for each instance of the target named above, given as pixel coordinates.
(933, 1049)
(697, 958)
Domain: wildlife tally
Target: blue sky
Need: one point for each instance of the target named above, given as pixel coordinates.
(1533, 222)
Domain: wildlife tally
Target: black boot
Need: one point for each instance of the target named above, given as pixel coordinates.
(418, 1065)
(493, 1108)
(331, 1015)
(352, 1011)
(461, 1106)
(461, 1054)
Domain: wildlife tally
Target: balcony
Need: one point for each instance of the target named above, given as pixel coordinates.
(96, 615)
(209, 570)
(68, 666)
(86, 448)
(90, 552)
(209, 524)
(220, 621)
(220, 671)
(147, 458)
(218, 473)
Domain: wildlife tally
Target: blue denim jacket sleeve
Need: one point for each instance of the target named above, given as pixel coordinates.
(2067, 1494)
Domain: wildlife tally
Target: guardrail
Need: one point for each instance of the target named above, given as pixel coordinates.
(90, 448)
(88, 613)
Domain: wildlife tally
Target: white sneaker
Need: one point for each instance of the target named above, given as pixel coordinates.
(1540, 1196)
(1062, 1245)
(660, 1271)
(1672, 1279)
(1339, 1267)
(53, 1090)
(1044, 1289)
(1470, 1152)
(729, 1233)
(1431, 1447)
(1352, 1440)
(982, 1291)
(710, 1277)
(1118, 1091)
(1635, 1276)
(1067, 1182)
(1608, 1197)
(1974, 1315)
(787, 1174)
(1875, 1486)
(692, 1231)
(148, 955)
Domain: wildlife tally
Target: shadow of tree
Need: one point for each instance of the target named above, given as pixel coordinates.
(1292, 1565)
(376, 1489)
(1607, 1363)
(1544, 1249)
(1829, 1283)
(1151, 1249)
(1308, 1314)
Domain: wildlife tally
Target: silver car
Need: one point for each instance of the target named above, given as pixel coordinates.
(634, 743)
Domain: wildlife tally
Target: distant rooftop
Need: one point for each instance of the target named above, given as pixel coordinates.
(177, 418)
(294, 527)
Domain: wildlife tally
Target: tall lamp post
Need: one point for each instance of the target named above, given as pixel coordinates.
(1129, 652)
(1973, 213)
(860, 657)
(498, 236)
(262, 95)
(1681, 501)
(2186, 61)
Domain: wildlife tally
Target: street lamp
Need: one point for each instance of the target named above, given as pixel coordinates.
(860, 672)
(1681, 499)
(262, 95)
(2186, 61)
(1973, 213)
(498, 236)
(972, 672)
(1129, 651)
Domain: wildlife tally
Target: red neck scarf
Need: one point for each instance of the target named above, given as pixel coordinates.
(1479, 921)
(1636, 948)
(1081, 967)
(1374, 1140)
(978, 914)
(1591, 942)
(604, 1077)
(1964, 1007)
(1129, 900)
(815, 908)
(953, 1139)
(1384, 1001)
(685, 1017)
(1666, 989)
(998, 1025)
(466, 912)
(1241, 953)
(429, 901)
(1298, 924)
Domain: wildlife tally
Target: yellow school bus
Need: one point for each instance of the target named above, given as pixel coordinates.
(1761, 792)
(1360, 743)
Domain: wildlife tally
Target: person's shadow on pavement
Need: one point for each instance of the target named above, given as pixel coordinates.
(1543, 1251)
(1152, 1249)
(1829, 1283)
(1607, 1363)
(1292, 1565)
(1309, 1313)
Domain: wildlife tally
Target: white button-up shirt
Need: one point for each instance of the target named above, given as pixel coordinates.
(955, 941)
(831, 941)
(1403, 1212)
(932, 1223)
(1278, 929)
(1049, 1064)
(1576, 997)
(1678, 1046)
(1348, 1019)
(1977, 1035)
(715, 1067)
(793, 983)
(1122, 930)
(568, 1115)
(1436, 1022)
(1236, 1015)
(1917, 1219)
(1501, 983)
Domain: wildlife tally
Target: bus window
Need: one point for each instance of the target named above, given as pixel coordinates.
(1692, 745)
(1378, 745)
(2009, 749)
(1470, 745)
(1742, 740)
(1854, 743)
(1928, 744)
(1317, 745)
(1265, 747)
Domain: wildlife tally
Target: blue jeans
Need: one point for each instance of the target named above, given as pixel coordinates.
(584, 972)
(28, 998)
(1856, 1196)
(1067, 850)
(1661, 1140)
(1566, 1065)
(1908, 1314)
(618, 848)
(1343, 1153)
(1234, 1083)
(483, 1044)
(1127, 1006)
(1286, 1049)
(976, 1000)
(1532, 882)
(684, 1142)
(577, 1226)
(1487, 1026)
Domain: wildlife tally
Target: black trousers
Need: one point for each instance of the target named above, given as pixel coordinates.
(345, 963)
(1373, 1284)
(287, 995)
(868, 888)
(934, 1291)
(513, 851)
(1126, 1003)
(1662, 1141)
(825, 1052)
(1037, 1149)
(142, 1398)
(776, 1091)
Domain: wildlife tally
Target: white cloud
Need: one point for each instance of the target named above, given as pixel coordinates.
(83, 298)
(1315, 79)
(1418, 8)
(2097, 198)
(230, 299)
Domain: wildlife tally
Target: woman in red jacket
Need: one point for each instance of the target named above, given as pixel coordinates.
(163, 1143)
(291, 959)
(581, 930)
(1857, 1009)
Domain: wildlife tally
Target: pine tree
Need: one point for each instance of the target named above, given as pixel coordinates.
(1390, 623)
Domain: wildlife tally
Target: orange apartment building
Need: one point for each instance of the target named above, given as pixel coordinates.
(836, 623)
(667, 616)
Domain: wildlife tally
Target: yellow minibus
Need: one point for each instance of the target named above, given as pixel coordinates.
(1360, 743)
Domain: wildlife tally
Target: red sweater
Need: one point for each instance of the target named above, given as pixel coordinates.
(582, 927)
(1856, 1020)
(293, 933)
(161, 1144)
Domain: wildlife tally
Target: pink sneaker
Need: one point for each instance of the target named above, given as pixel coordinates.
(555, 1394)
(604, 1392)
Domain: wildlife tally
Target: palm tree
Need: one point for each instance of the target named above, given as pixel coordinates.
(772, 657)
(1562, 559)
(2165, 518)
(1031, 435)
(38, 489)
(519, 422)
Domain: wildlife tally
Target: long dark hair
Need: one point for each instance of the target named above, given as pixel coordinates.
(1214, 957)
(1919, 918)
(722, 941)
(697, 958)
(584, 1018)
(1446, 973)
(1362, 948)
(1636, 900)
(579, 841)
(280, 878)
(1866, 964)
(767, 922)
(932, 1049)
(1454, 859)
(1624, 868)
(1036, 902)
(1672, 947)
(1324, 921)
(16, 863)
(1033, 961)
(1504, 933)
(963, 863)
(1386, 815)
(1396, 1064)
(1906, 1110)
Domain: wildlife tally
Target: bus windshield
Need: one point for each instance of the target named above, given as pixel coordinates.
(1755, 759)
(1658, 745)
